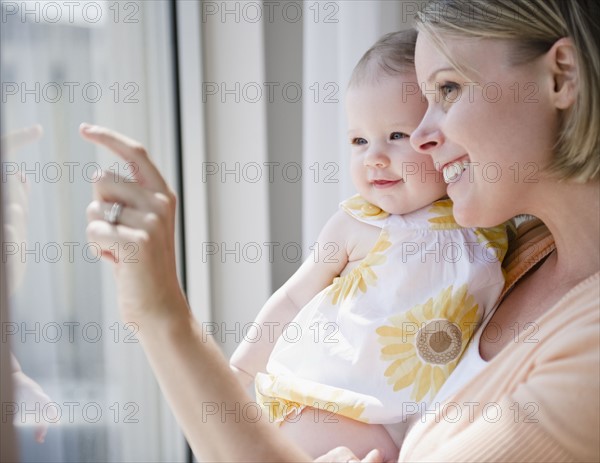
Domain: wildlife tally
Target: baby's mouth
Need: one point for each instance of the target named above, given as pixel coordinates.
(385, 183)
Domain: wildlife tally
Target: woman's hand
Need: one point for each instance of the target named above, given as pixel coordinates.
(344, 455)
(141, 242)
(17, 206)
(189, 366)
(30, 395)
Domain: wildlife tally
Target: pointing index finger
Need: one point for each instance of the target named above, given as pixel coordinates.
(147, 175)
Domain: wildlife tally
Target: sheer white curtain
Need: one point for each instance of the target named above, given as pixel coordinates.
(331, 51)
(272, 164)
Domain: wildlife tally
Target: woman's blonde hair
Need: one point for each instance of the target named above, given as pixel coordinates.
(534, 26)
(392, 54)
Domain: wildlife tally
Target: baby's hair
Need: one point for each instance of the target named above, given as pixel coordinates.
(392, 54)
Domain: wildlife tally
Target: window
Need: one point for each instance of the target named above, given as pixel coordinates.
(245, 100)
(63, 63)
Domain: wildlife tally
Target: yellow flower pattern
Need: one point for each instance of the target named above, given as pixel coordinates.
(361, 276)
(360, 207)
(495, 237)
(424, 344)
(323, 397)
(443, 218)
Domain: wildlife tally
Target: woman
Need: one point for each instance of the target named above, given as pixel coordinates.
(514, 99)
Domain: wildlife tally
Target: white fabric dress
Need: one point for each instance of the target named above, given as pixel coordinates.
(383, 339)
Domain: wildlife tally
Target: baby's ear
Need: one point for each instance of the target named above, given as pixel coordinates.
(563, 62)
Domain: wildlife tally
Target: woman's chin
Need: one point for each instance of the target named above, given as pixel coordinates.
(463, 209)
(467, 211)
(466, 220)
(475, 217)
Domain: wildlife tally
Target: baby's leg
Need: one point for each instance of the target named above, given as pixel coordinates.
(318, 431)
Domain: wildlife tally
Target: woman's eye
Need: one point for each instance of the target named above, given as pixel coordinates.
(398, 136)
(448, 89)
(358, 141)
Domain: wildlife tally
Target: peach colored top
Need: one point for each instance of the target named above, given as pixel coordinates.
(536, 400)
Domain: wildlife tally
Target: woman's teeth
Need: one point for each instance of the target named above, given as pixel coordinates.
(453, 171)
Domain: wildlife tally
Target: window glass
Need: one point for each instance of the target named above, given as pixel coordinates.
(84, 381)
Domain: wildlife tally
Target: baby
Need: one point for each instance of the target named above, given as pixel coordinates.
(379, 317)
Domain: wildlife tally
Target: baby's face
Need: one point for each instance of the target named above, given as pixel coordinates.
(386, 170)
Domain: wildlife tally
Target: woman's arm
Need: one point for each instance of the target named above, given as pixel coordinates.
(193, 374)
(216, 415)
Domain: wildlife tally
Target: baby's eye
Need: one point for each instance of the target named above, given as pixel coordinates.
(398, 136)
(358, 141)
(448, 90)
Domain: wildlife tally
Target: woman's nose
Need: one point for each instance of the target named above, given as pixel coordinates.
(427, 136)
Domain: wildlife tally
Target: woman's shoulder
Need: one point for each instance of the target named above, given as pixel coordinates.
(544, 386)
(563, 378)
(529, 241)
(576, 313)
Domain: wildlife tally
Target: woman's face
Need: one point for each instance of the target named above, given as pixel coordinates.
(490, 134)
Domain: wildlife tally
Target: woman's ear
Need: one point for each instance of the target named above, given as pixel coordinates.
(563, 62)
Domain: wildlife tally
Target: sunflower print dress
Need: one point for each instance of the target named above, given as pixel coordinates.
(388, 334)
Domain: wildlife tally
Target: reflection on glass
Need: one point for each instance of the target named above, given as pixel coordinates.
(80, 378)
(28, 393)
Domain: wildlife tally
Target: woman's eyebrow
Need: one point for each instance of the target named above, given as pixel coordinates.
(434, 73)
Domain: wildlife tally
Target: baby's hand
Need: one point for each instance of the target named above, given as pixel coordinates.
(30, 394)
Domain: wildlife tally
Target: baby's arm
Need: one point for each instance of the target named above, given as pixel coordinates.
(328, 259)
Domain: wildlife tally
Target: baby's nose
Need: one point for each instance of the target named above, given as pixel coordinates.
(377, 158)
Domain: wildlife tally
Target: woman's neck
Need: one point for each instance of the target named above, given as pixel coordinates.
(572, 214)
